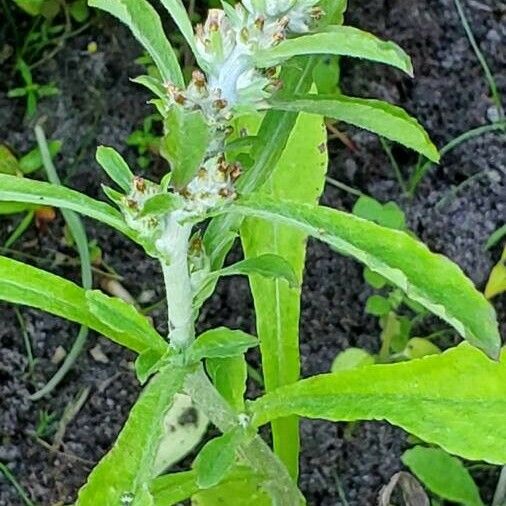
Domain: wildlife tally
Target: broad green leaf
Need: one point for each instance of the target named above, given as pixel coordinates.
(217, 458)
(17, 189)
(185, 143)
(456, 400)
(352, 358)
(160, 204)
(430, 279)
(115, 167)
(143, 20)
(229, 376)
(443, 475)
(379, 117)
(126, 471)
(338, 41)
(221, 343)
(27, 285)
(299, 176)
(267, 265)
(123, 318)
(32, 161)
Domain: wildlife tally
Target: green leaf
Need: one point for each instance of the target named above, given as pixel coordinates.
(143, 20)
(377, 305)
(267, 265)
(221, 343)
(388, 215)
(443, 475)
(497, 236)
(229, 376)
(379, 117)
(32, 7)
(125, 472)
(240, 483)
(185, 143)
(17, 189)
(246, 490)
(338, 41)
(456, 400)
(115, 167)
(9, 164)
(300, 176)
(352, 358)
(418, 347)
(374, 279)
(24, 284)
(430, 279)
(79, 10)
(334, 12)
(160, 204)
(178, 12)
(32, 161)
(152, 84)
(217, 458)
(123, 318)
(496, 283)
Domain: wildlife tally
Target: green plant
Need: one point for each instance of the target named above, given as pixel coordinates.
(31, 91)
(248, 158)
(145, 140)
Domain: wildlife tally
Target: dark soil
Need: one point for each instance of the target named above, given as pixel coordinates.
(98, 104)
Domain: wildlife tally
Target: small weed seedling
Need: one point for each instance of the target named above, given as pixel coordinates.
(246, 145)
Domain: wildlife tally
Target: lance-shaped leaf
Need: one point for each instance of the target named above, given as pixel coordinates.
(115, 167)
(124, 474)
(222, 343)
(143, 20)
(267, 265)
(185, 143)
(430, 279)
(456, 400)
(17, 189)
(378, 117)
(339, 41)
(27, 285)
(229, 376)
(123, 317)
(178, 12)
(298, 176)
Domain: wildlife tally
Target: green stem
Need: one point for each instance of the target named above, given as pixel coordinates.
(256, 453)
(500, 491)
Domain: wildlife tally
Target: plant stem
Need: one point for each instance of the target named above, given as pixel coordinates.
(256, 453)
(174, 247)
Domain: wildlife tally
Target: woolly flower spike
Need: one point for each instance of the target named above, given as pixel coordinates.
(212, 187)
(299, 13)
(228, 40)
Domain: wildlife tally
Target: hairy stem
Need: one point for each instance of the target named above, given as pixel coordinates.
(256, 453)
(174, 247)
